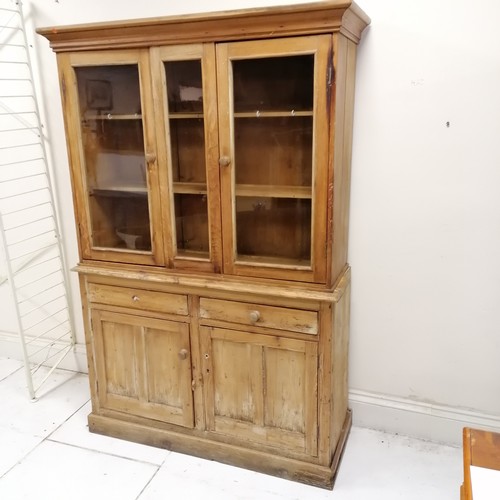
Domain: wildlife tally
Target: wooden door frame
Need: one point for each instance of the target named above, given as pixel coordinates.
(205, 53)
(321, 47)
(72, 120)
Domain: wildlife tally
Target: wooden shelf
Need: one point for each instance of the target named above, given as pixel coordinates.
(193, 254)
(257, 260)
(272, 114)
(111, 116)
(304, 192)
(190, 188)
(181, 116)
(120, 192)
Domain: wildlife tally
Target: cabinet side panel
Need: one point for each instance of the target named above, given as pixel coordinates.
(345, 68)
(89, 346)
(325, 383)
(340, 364)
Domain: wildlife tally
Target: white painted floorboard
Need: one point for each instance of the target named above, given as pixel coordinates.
(46, 452)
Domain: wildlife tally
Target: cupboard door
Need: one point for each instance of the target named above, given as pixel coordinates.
(261, 388)
(186, 126)
(108, 111)
(273, 128)
(143, 366)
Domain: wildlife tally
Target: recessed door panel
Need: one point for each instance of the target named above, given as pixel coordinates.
(144, 366)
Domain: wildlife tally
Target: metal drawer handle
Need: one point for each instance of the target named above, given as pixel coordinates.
(254, 316)
(135, 298)
(183, 354)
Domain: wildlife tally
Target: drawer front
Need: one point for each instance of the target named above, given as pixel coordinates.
(135, 298)
(280, 318)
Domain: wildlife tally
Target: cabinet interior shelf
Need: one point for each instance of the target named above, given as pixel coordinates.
(190, 188)
(304, 192)
(245, 114)
(272, 114)
(250, 190)
(289, 263)
(110, 116)
(119, 191)
(180, 116)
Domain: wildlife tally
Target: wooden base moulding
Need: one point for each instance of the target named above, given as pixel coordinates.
(151, 433)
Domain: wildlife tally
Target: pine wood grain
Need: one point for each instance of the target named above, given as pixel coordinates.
(293, 320)
(140, 369)
(291, 20)
(480, 449)
(229, 338)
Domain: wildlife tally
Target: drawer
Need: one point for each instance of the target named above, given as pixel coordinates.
(280, 318)
(134, 298)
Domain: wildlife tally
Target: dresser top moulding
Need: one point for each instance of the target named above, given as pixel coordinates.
(270, 22)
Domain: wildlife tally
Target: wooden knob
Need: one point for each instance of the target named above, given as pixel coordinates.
(183, 354)
(224, 161)
(254, 316)
(135, 298)
(150, 157)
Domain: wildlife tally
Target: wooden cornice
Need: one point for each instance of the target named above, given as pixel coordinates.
(291, 20)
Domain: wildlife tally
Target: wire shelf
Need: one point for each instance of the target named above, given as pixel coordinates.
(29, 229)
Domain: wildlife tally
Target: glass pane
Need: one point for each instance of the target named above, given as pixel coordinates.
(113, 146)
(273, 158)
(184, 86)
(274, 230)
(188, 150)
(273, 151)
(272, 84)
(187, 156)
(191, 224)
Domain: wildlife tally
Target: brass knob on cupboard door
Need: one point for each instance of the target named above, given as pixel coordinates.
(254, 316)
(224, 161)
(183, 354)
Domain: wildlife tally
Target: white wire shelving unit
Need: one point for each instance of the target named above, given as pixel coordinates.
(29, 232)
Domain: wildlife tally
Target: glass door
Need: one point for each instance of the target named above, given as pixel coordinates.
(185, 95)
(274, 156)
(113, 156)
